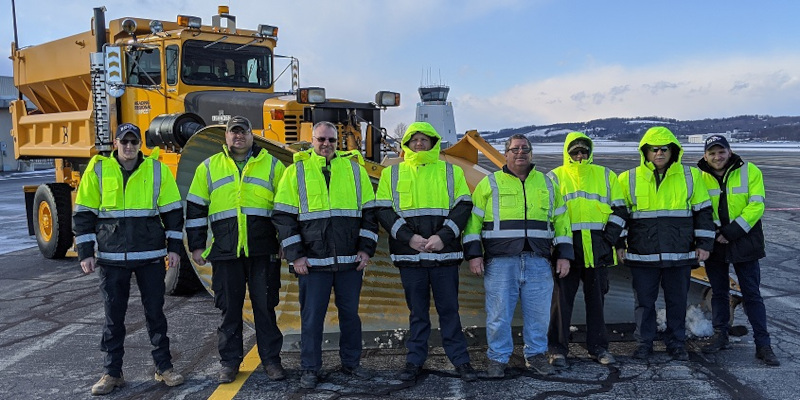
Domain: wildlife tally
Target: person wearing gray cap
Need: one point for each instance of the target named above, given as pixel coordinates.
(737, 195)
(129, 209)
(233, 192)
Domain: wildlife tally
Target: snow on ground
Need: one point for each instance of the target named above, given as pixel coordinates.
(698, 322)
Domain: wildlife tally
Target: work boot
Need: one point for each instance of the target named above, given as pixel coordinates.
(227, 374)
(106, 384)
(275, 371)
(467, 372)
(496, 370)
(357, 371)
(604, 357)
(766, 354)
(718, 342)
(678, 353)
(642, 352)
(309, 379)
(558, 360)
(410, 372)
(170, 377)
(541, 364)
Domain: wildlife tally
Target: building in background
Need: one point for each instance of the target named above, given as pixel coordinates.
(8, 160)
(701, 138)
(437, 111)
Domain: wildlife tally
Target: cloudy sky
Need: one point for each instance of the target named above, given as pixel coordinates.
(508, 63)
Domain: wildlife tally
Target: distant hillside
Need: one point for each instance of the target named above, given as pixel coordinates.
(744, 127)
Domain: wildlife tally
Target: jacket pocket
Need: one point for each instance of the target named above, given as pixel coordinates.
(404, 192)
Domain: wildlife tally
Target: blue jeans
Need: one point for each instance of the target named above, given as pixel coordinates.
(749, 276)
(528, 277)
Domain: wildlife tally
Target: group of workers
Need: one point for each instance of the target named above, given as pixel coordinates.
(534, 238)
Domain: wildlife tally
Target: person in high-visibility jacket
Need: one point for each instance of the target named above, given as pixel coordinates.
(670, 230)
(325, 216)
(129, 208)
(424, 204)
(597, 213)
(518, 223)
(233, 191)
(737, 194)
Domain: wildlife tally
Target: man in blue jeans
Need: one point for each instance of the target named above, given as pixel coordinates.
(518, 221)
(737, 192)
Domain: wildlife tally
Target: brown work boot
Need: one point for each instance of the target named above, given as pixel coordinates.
(275, 371)
(170, 377)
(106, 384)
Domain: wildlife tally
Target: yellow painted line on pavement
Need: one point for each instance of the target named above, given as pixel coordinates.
(226, 391)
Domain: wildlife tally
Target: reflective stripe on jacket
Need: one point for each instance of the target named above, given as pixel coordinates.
(596, 206)
(507, 212)
(237, 206)
(326, 222)
(668, 221)
(131, 223)
(426, 196)
(738, 200)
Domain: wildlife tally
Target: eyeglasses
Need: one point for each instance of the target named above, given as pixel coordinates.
(328, 139)
(662, 149)
(517, 150)
(240, 131)
(579, 151)
(124, 142)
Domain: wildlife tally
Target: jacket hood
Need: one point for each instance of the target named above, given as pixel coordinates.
(659, 136)
(309, 154)
(422, 157)
(571, 137)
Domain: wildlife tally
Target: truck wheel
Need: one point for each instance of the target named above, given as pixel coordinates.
(182, 281)
(52, 219)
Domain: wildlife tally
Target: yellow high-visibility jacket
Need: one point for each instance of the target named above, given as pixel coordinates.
(237, 206)
(131, 223)
(670, 215)
(595, 205)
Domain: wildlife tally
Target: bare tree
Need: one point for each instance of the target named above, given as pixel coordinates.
(399, 131)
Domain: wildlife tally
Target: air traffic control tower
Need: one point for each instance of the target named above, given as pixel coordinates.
(437, 111)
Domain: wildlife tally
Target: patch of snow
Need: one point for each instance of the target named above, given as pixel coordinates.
(698, 322)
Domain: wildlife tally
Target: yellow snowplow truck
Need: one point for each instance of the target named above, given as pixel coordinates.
(172, 79)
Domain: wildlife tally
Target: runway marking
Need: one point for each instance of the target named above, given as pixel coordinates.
(227, 391)
(782, 192)
(783, 209)
(40, 345)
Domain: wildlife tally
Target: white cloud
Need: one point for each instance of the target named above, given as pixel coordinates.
(684, 90)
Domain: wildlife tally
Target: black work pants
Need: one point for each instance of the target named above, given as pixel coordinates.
(230, 280)
(675, 282)
(115, 287)
(418, 283)
(595, 287)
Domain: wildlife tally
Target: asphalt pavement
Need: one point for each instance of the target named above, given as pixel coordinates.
(51, 316)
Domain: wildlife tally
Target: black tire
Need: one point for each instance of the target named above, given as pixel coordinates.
(182, 281)
(53, 229)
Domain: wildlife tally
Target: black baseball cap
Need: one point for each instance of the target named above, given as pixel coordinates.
(239, 121)
(126, 128)
(716, 140)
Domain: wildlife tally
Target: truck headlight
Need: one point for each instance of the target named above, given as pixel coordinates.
(129, 26)
(387, 99)
(311, 95)
(268, 31)
(156, 27)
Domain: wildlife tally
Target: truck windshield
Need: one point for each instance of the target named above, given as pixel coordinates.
(223, 65)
